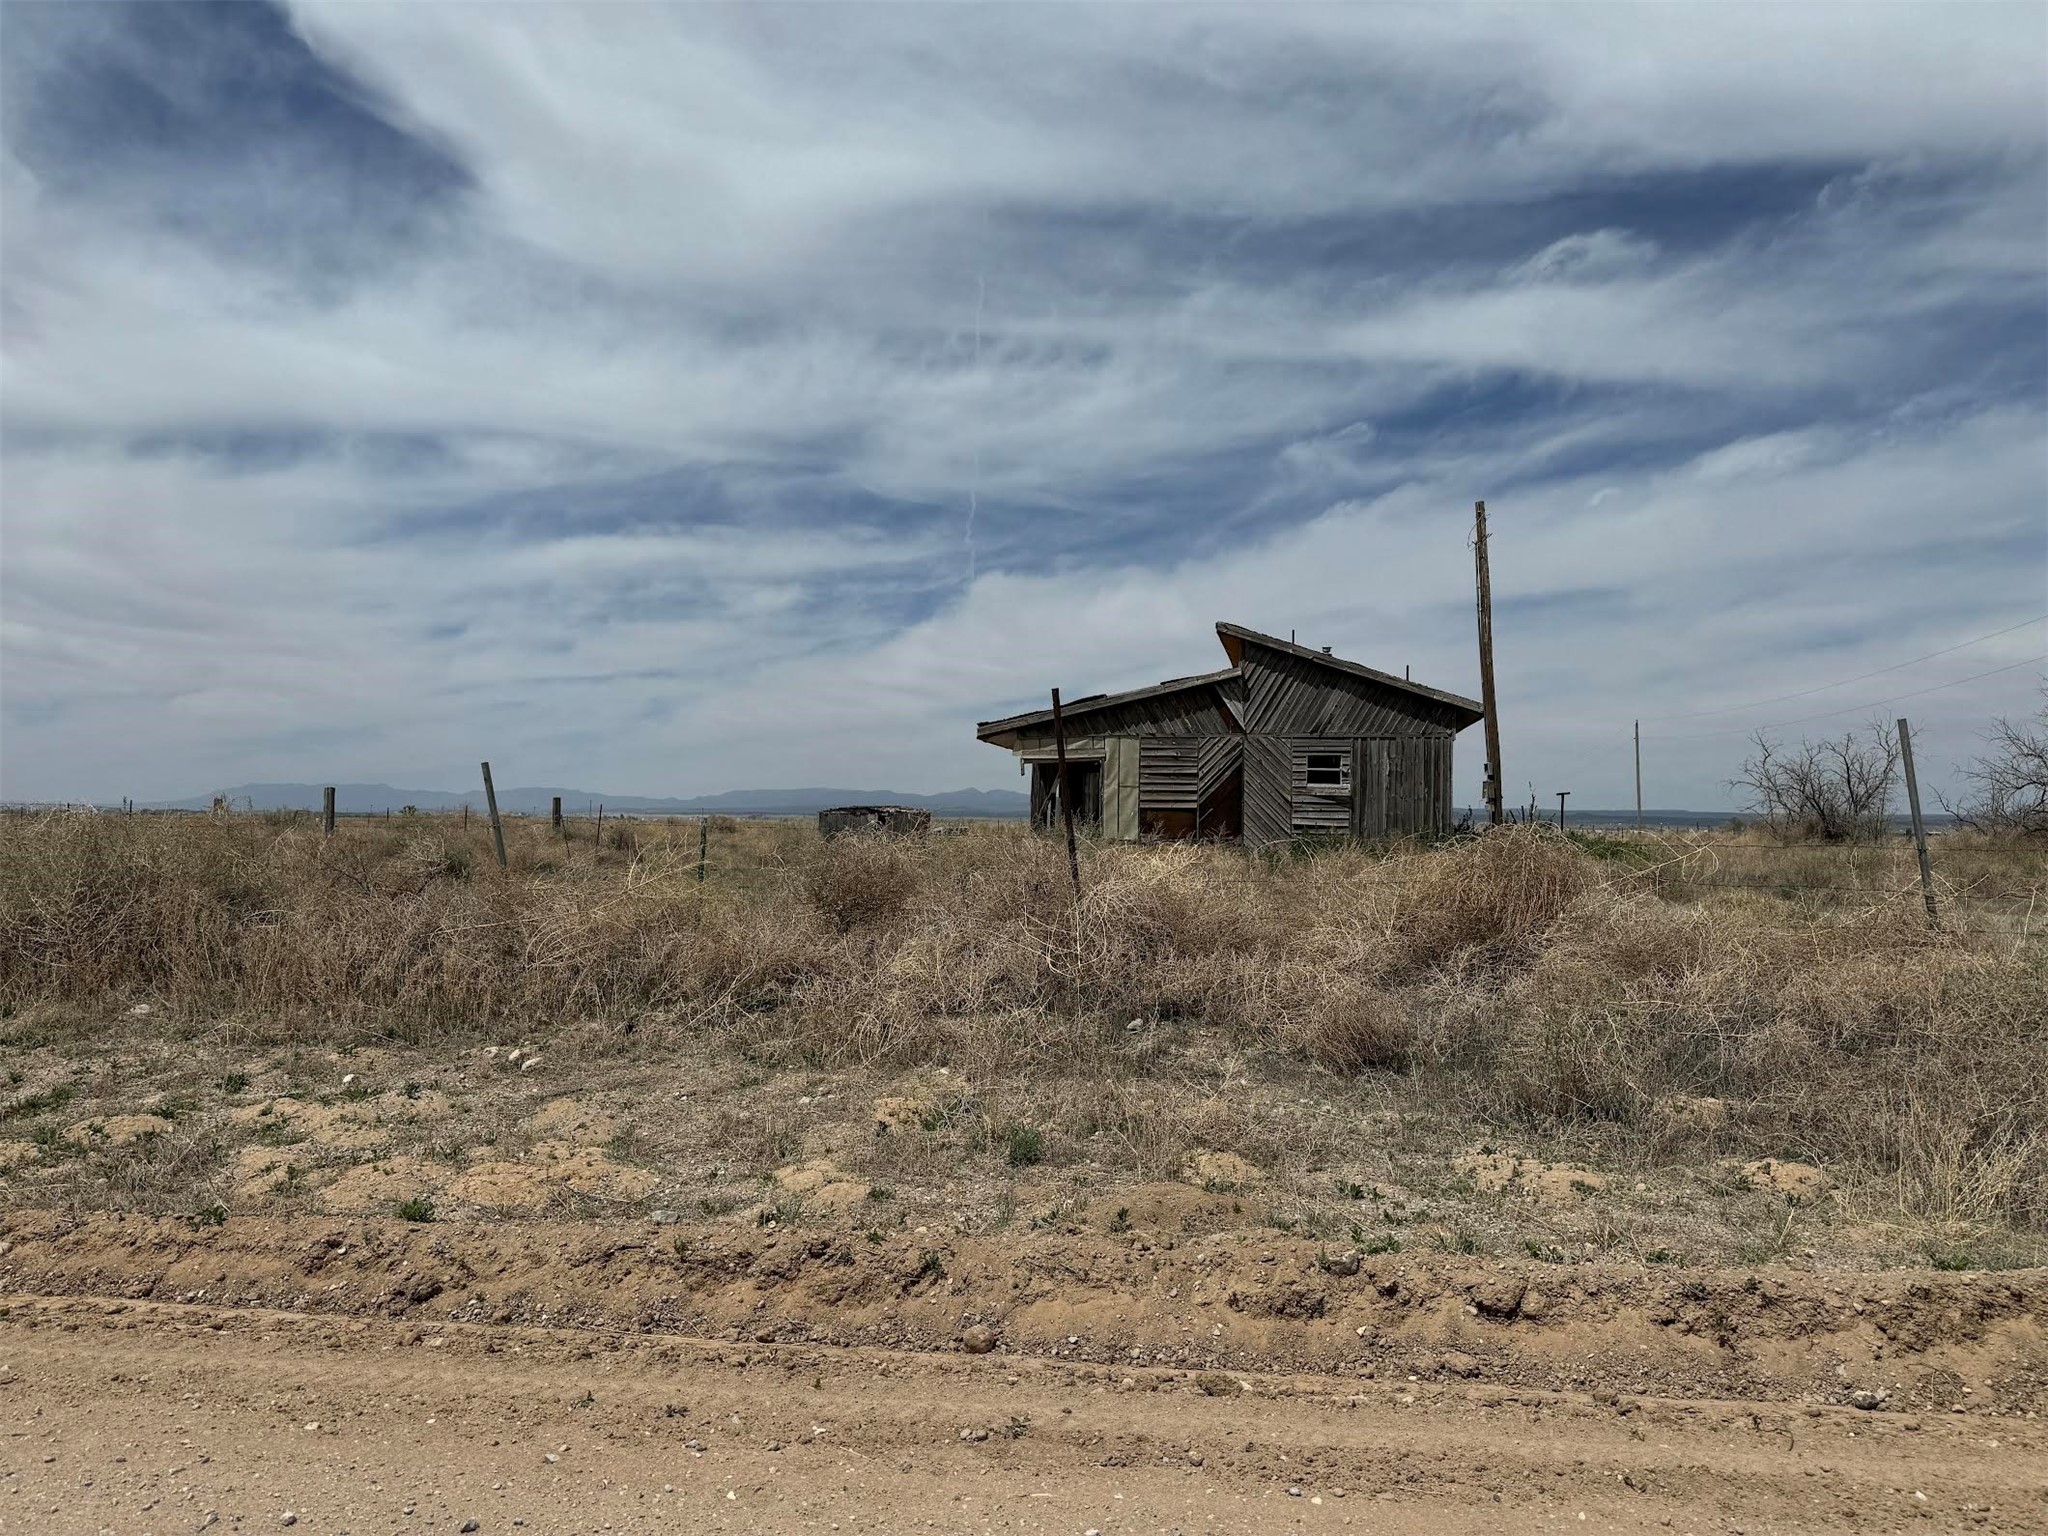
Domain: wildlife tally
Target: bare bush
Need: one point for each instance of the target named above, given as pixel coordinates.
(1832, 790)
(858, 881)
(2008, 785)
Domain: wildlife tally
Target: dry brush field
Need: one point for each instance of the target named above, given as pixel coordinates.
(1513, 1044)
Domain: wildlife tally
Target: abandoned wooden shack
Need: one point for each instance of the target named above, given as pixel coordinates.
(1286, 741)
(874, 820)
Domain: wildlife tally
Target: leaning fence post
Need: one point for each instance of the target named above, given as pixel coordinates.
(1059, 739)
(1919, 827)
(497, 826)
(327, 811)
(703, 845)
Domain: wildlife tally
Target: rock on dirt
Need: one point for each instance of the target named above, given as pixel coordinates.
(1500, 1298)
(978, 1340)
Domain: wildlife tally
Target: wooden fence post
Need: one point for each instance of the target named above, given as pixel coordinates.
(1059, 739)
(1919, 827)
(327, 811)
(556, 815)
(497, 826)
(600, 833)
(703, 846)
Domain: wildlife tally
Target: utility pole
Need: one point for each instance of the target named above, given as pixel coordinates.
(1639, 775)
(1484, 581)
(1560, 808)
(1919, 827)
(1059, 741)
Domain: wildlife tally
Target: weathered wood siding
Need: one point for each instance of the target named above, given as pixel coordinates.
(1193, 712)
(1402, 787)
(1221, 757)
(1317, 807)
(1292, 696)
(1268, 800)
(1170, 773)
(1048, 751)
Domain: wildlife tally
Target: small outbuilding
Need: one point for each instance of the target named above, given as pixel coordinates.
(1286, 741)
(875, 820)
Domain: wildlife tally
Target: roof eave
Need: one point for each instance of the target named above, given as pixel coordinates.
(989, 730)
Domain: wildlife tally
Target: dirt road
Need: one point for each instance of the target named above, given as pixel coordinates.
(372, 1376)
(143, 1417)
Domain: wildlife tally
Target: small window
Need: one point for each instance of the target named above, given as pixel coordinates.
(1326, 770)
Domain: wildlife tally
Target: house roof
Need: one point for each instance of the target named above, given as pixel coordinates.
(1071, 708)
(1235, 636)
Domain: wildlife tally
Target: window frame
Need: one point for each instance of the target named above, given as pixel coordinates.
(1337, 763)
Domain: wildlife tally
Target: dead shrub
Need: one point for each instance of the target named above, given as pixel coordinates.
(1353, 1030)
(1491, 897)
(856, 882)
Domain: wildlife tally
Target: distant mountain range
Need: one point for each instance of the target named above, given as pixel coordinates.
(372, 799)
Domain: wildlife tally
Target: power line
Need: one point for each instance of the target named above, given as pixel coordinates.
(1701, 714)
(1854, 709)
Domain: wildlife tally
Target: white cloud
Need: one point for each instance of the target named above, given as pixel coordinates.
(805, 259)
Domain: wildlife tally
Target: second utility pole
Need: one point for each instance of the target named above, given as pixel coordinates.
(1639, 775)
(1484, 580)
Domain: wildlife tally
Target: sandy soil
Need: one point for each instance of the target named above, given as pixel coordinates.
(374, 1376)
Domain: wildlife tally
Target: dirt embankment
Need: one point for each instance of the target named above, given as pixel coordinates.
(1148, 1309)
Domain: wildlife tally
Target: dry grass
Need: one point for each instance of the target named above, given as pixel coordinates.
(1518, 978)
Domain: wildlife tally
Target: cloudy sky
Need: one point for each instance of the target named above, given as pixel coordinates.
(669, 401)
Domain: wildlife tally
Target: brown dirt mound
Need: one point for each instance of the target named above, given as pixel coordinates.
(1133, 1301)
